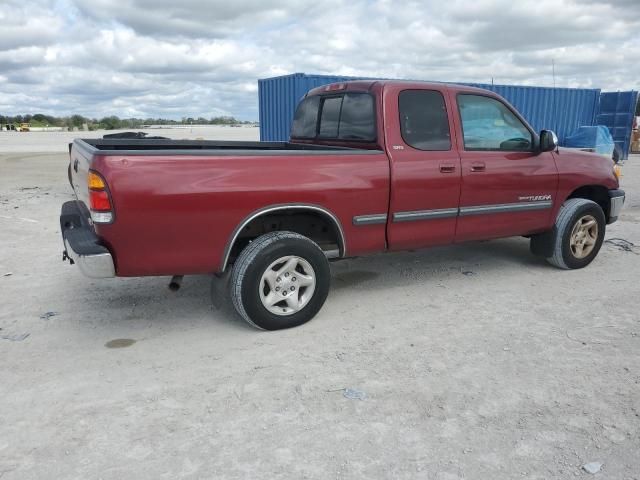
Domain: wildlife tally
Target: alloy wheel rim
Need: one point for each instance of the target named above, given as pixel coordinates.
(287, 285)
(584, 236)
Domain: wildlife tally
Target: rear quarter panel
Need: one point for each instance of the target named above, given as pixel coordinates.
(175, 214)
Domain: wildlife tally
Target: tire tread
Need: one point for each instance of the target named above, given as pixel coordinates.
(247, 257)
(567, 210)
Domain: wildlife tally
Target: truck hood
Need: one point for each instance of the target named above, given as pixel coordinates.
(578, 153)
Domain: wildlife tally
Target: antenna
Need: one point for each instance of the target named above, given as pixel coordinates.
(555, 107)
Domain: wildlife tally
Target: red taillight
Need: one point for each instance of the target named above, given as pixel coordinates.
(99, 200)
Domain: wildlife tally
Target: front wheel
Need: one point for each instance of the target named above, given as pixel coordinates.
(280, 280)
(578, 234)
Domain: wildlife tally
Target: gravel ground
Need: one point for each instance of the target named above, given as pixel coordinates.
(471, 362)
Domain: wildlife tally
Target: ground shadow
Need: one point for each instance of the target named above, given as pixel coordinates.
(204, 298)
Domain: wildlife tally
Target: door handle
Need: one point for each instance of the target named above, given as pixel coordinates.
(478, 167)
(447, 167)
(75, 165)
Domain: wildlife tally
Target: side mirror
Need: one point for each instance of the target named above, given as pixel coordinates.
(548, 141)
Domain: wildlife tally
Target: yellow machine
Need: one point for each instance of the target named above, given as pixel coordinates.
(24, 127)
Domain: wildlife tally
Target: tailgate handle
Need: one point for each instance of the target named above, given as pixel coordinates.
(75, 165)
(478, 167)
(447, 167)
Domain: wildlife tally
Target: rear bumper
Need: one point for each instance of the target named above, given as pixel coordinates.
(81, 244)
(616, 201)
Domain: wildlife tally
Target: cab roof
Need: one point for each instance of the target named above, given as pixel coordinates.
(370, 85)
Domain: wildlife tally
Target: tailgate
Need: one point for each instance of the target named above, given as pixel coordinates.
(80, 162)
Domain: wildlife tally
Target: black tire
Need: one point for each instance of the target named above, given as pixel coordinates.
(255, 259)
(570, 213)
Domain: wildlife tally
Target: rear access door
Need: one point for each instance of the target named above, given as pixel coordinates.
(425, 167)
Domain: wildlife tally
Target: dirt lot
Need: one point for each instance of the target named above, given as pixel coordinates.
(49, 142)
(477, 361)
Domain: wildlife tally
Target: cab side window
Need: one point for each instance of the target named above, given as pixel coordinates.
(487, 124)
(424, 124)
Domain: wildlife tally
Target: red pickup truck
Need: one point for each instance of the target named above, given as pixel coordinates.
(371, 166)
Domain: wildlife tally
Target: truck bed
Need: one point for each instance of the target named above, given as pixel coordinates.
(178, 203)
(118, 146)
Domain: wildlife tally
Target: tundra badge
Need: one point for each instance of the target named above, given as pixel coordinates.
(535, 198)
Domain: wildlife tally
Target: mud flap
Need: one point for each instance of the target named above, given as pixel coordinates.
(542, 244)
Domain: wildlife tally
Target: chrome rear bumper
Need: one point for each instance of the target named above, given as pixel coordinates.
(81, 244)
(94, 265)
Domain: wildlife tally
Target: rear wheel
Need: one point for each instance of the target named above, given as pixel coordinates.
(280, 280)
(579, 233)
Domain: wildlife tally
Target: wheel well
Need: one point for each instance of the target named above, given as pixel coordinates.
(313, 224)
(596, 193)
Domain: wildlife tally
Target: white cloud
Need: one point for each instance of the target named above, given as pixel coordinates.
(203, 57)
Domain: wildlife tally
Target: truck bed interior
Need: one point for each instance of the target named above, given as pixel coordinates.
(177, 146)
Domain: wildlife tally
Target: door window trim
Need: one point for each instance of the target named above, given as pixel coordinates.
(534, 137)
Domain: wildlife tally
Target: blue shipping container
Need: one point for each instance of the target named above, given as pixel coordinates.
(616, 111)
(560, 109)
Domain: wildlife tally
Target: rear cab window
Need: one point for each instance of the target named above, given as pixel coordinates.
(305, 119)
(349, 116)
(330, 117)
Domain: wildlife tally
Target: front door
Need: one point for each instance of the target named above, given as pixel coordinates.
(507, 188)
(425, 169)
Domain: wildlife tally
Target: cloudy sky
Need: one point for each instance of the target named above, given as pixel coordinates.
(175, 58)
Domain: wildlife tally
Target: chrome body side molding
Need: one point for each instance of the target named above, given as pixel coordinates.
(416, 215)
(375, 219)
(505, 207)
(424, 214)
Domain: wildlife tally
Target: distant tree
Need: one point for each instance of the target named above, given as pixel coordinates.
(110, 123)
(113, 122)
(77, 120)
